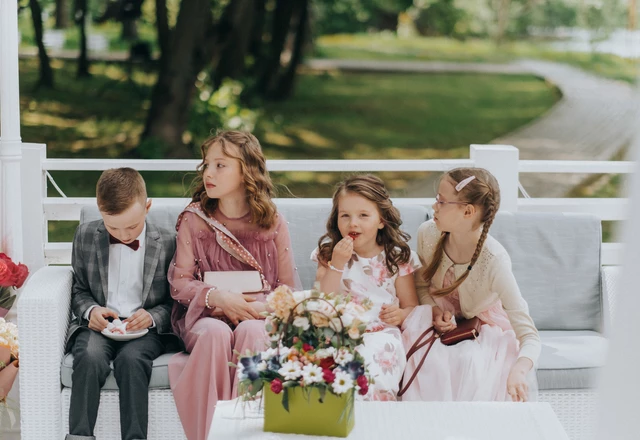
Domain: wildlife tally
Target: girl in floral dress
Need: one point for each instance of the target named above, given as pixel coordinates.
(365, 254)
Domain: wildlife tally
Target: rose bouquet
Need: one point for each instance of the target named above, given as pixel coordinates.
(311, 371)
(11, 276)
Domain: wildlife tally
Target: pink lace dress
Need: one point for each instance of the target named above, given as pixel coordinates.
(470, 370)
(201, 379)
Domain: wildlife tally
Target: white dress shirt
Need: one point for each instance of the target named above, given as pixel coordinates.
(126, 271)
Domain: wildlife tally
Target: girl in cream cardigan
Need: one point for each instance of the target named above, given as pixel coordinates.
(467, 273)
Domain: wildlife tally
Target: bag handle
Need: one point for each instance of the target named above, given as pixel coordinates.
(415, 347)
(228, 241)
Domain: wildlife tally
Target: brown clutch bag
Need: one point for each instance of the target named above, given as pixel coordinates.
(465, 329)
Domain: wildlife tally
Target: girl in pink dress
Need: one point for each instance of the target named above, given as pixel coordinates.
(231, 225)
(467, 273)
(366, 255)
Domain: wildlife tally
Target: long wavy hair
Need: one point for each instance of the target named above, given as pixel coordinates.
(255, 176)
(390, 237)
(484, 193)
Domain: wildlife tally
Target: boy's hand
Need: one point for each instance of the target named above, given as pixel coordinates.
(342, 252)
(140, 320)
(98, 318)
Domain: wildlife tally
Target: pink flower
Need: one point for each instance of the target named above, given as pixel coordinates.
(276, 386)
(307, 347)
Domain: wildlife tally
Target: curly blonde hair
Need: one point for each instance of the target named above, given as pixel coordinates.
(482, 192)
(391, 238)
(253, 166)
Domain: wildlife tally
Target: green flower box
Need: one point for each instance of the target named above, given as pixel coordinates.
(333, 417)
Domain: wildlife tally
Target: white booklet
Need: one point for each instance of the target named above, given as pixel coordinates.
(239, 281)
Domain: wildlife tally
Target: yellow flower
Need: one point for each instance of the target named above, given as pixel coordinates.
(281, 302)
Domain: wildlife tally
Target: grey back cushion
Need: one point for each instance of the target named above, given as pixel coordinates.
(556, 261)
(556, 257)
(307, 220)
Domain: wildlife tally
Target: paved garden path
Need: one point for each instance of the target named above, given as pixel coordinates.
(594, 120)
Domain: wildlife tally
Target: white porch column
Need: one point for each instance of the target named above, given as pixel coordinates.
(502, 162)
(10, 142)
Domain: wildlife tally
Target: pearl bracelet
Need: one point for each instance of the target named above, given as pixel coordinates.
(332, 267)
(206, 299)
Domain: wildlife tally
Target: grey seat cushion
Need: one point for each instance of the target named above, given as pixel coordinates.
(571, 359)
(556, 262)
(307, 223)
(159, 373)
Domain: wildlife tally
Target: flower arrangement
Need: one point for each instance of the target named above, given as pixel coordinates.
(11, 276)
(9, 351)
(313, 339)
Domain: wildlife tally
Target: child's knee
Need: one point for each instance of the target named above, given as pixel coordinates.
(253, 328)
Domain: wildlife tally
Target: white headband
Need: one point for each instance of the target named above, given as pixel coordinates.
(464, 183)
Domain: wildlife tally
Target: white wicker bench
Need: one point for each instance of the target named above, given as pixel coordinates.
(569, 389)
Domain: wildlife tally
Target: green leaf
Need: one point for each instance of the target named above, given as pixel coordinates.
(285, 399)
(323, 392)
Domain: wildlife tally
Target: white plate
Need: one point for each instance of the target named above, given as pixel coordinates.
(125, 337)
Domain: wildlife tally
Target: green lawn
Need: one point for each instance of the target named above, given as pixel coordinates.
(381, 116)
(391, 47)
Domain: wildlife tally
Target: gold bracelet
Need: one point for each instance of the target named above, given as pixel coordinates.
(206, 299)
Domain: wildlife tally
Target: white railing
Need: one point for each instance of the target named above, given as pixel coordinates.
(502, 161)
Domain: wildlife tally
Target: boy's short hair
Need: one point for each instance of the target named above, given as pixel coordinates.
(118, 189)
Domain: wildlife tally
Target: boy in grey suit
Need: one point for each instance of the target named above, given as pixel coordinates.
(120, 268)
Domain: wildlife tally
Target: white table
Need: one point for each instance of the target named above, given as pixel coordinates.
(411, 420)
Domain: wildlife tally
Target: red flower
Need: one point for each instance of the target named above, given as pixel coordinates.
(363, 383)
(276, 386)
(307, 347)
(20, 273)
(6, 273)
(12, 274)
(328, 375)
(327, 363)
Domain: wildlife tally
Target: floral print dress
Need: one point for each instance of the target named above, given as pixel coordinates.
(369, 278)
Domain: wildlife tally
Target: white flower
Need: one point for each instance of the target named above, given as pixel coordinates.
(301, 295)
(301, 322)
(284, 353)
(311, 374)
(269, 353)
(342, 382)
(354, 333)
(290, 370)
(325, 352)
(343, 357)
(262, 365)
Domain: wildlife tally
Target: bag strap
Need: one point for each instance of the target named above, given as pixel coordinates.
(228, 241)
(415, 347)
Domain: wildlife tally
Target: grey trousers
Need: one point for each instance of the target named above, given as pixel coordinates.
(132, 361)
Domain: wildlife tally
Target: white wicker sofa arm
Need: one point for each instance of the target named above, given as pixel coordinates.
(43, 319)
(611, 278)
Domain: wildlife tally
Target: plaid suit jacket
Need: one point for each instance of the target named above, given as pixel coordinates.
(90, 262)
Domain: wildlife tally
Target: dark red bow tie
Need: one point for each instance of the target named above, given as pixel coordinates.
(135, 244)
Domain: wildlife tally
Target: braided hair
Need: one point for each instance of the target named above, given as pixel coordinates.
(482, 192)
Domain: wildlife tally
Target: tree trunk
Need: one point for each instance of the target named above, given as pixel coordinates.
(256, 47)
(81, 19)
(129, 30)
(503, 20)
(238, 17)
(188, 53)
(162, 26)
(46, 74)
(279, 31)
(286, 82)
(632, 23)
(62, 14)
